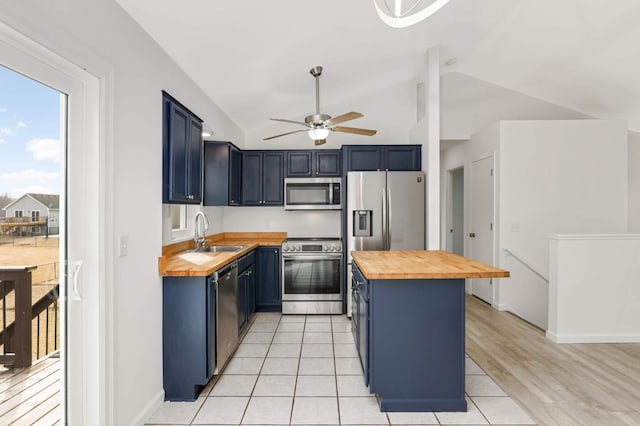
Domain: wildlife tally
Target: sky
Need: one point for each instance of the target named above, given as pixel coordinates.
(29, 136)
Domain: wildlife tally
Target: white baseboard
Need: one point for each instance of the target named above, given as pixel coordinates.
(148, 410)
(593, 338)
(501, 306)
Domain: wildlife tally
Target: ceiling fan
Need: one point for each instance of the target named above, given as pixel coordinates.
(318, 125)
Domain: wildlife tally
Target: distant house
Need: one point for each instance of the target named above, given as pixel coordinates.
(35, 208)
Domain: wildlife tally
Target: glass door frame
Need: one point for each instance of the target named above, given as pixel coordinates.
(85, 218)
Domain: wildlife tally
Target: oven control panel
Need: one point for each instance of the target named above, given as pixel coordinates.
(312, 246)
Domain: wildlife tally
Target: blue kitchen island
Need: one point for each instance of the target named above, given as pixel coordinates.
(409, 326)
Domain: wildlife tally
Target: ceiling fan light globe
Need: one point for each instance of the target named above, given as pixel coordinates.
(318, 133)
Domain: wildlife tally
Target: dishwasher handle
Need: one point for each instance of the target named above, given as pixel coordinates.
(222, 273)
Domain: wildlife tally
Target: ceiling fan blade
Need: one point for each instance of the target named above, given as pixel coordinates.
(344, 117)
(365, 132)
(320, 141)
(284, 134)
(284, 120)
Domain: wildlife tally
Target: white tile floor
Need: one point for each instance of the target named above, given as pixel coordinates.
(297, 370)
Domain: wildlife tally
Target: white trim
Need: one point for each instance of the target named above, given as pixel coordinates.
(592, 338)
(95, 93)
(502, 306)
(147, 411)
(594, 236)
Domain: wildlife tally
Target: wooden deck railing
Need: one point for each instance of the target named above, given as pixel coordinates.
(17, 348)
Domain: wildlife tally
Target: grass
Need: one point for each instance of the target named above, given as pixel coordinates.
(45, 254)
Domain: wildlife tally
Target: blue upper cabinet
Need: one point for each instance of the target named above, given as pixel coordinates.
(251, 178)
(362, 158)
(182, 153)
(313, 163)
(263, 178)
(402, 157)
(327, 163)
(299, 163)
(382, 157)
(222, 174)
(273, 178)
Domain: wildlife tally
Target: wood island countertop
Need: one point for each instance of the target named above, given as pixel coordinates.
(421, 264)
(177, 262)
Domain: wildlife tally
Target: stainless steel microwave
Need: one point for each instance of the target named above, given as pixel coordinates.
(313, 193)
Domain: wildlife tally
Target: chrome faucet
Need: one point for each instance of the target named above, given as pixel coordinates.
(197, 237)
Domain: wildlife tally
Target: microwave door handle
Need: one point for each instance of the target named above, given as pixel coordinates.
(330, 194)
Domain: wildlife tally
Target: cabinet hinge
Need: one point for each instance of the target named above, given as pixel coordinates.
(491, 172)
(491, 226)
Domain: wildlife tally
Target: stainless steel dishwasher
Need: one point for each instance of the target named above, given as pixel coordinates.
(227, 313)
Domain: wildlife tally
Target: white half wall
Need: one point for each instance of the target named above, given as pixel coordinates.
(594, 291)
(634, 182)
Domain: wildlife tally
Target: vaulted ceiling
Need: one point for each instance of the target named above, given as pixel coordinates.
(252, 57)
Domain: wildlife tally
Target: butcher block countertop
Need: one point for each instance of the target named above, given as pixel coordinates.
(421, 264)
(177, 262)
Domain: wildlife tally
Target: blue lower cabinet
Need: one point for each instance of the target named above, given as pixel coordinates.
(413, 349)
(188, 335)
(269, 279)
(242, 301)
(246, 290)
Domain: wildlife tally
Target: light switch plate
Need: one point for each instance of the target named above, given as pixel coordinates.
(123, 245)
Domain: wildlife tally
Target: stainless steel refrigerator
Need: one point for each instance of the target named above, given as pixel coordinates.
(385, 211)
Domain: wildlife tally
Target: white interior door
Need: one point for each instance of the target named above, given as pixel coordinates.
(481, 230)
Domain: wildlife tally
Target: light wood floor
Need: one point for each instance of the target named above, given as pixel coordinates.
(557, 384)
(31, 396)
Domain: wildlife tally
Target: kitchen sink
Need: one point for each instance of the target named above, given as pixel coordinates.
(218, 249)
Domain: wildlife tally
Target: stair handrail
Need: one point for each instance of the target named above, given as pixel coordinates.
(529, 267)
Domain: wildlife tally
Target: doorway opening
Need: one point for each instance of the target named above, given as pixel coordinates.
(455, 217)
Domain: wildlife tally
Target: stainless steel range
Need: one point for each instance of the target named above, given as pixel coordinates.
(312, 276)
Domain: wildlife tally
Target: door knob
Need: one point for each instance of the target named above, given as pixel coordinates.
(472, 235)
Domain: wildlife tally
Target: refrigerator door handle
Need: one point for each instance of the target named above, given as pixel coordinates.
(384, 220)
(390, 220)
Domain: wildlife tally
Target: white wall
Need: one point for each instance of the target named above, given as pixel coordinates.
(560, 176)
(98, 36)
(470, 104)
(634, 182)
(551, 176)
(276, 219)
(594, 292)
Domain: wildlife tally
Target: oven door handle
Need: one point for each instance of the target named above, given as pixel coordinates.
(312, 257)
